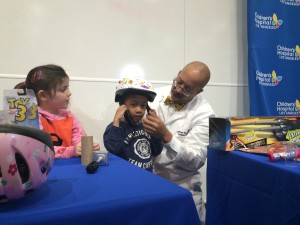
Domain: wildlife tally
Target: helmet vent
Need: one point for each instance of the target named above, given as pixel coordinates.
(43, 170)
(3, 199)
(22, 167)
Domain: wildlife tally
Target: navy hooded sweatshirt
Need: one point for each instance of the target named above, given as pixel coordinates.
(132, 143)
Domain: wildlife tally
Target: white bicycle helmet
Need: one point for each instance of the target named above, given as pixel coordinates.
(137, 85)
(26, 158)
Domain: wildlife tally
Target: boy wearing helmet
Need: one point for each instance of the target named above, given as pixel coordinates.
(125, 136)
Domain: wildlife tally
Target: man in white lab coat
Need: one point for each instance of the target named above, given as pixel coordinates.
(181, 119)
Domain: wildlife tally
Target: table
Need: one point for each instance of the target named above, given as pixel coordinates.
(117, 194)
(245, 188)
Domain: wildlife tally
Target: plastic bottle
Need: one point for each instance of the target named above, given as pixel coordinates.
(288, 155)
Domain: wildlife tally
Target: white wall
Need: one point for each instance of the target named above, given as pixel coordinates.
(93, 40)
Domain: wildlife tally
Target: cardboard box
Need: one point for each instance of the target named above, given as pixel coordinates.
(249, 132)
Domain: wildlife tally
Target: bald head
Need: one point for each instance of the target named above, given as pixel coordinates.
(189, 82)
(196, 73)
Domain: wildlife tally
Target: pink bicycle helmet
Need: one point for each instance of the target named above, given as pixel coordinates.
(26, 158)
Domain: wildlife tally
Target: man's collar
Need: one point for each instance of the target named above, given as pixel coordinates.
(169, 101)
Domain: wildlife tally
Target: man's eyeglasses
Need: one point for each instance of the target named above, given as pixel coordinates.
(181, 85)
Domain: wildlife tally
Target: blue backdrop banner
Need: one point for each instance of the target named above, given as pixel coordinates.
(274, 57)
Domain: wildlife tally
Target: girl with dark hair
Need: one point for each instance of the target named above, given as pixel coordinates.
(50, 84)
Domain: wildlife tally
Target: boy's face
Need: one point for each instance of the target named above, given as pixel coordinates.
(136, 105)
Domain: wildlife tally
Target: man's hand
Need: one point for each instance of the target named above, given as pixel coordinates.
(154, 126)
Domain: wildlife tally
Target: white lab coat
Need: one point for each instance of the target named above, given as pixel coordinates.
(182, 158)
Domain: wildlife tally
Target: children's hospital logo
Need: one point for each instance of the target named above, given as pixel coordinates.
(288, 108)
(291, 2)
(267, 22)
(297, 107)
(268, 79)
(288, 53)
(297, 53)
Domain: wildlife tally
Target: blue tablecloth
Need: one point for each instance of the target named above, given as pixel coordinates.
(117, 194)
(247, 189)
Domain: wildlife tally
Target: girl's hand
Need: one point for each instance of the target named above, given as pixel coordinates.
(96, 147)
(78, 149)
